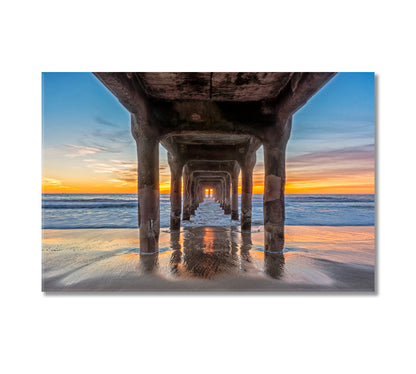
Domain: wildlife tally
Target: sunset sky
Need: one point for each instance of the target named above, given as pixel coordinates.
(87, 146)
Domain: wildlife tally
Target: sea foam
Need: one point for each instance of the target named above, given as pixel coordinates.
(70, 211)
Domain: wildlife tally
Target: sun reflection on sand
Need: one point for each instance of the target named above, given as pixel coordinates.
(314, 257)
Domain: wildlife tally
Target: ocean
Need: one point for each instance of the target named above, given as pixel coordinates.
(78, 211)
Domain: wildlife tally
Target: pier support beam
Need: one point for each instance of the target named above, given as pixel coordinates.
(222, 194)
(247, 190)
(148, 184)
(227, 204)
(175, 191)
(202, 194)
(193, 196)
(234, 197)
(274, 190)
(212, 117)
(186, 215)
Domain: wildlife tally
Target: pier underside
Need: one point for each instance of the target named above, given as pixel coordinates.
(212, 124)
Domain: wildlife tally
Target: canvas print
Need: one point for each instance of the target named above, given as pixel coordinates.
(258, 182)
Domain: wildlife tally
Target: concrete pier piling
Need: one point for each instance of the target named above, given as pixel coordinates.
(148, 185)
(212, 124)
(274, 190)
(175, 191)
(234, 194)
(186, 215)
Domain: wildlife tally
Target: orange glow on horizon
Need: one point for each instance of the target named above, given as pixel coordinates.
(290, 188)
(360, 183)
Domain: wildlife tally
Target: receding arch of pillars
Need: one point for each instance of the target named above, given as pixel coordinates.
(238, 156)
(233, 170)
(221, 186)
(213, 117)
(222, 177)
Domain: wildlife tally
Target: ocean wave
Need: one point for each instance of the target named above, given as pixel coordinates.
(330, 199)
(254, 227)
(93, 200)
(92, 206)
(120, 211)
(78, 227)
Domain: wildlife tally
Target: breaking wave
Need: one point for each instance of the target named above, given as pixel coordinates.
(69, 211)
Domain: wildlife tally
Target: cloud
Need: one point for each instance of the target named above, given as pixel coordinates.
(81, 151)
(258, 173)
(348, 155)
(100, 141)
(105, 122)
(120, 171)
(127, 175)
(344, 166)
(53, 183)
(104, 141)
(108, 141)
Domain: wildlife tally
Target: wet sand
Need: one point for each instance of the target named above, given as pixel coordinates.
(316, 258)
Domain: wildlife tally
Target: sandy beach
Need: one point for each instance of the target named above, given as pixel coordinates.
(316, 258)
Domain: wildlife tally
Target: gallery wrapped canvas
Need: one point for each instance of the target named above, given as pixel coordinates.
(208, 182)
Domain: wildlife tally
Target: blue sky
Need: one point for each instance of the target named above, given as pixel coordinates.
(87, 140)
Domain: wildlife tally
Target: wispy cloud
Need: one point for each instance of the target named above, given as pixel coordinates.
(127, 172)
(343, 166)
(102, 141)
(55, 184)
(336, 156)
(123, 172)
(81, 151)
(258, 173)
(351, 167)
(120, 171)
(103, 121)
(108, 141)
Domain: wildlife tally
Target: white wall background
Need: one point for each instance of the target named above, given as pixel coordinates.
(289, 333)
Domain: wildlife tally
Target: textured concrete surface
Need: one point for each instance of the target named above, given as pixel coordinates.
(222, 118)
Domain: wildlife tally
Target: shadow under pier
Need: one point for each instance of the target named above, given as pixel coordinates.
(205, 252)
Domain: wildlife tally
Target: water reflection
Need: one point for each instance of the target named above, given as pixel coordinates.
(316, 258)
(234, 239)
(246, 245)
(205, 252)
(176, 257)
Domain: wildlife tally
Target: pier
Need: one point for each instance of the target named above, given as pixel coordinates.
(212, 124)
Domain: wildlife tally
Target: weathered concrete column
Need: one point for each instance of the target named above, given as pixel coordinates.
(217, 193)
(186, 215)
(176, 256)
(234, 198)
(201, 194)
(148, 184)
(274, 190)
(222, 194)
(175, 165)
(197, 195)
(227, 203)
(247, 190)
(274, 264)
(246, 245)
(192, 196)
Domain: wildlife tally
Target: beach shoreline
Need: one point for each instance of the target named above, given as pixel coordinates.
(316, 258)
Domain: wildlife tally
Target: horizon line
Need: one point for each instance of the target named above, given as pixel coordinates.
(168, 193)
